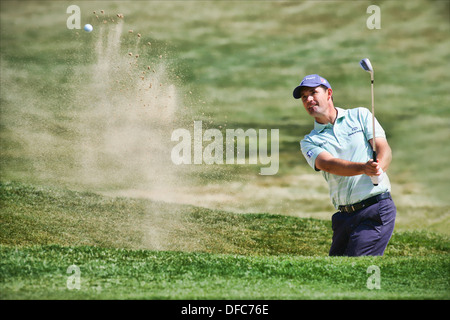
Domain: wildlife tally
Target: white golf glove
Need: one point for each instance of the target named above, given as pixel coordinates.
(376, 180)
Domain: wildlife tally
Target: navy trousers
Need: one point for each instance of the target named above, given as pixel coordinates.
(365, 232)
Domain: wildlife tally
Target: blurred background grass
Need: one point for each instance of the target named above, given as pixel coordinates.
(234, 65)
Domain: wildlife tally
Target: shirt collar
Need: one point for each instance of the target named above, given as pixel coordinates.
(319, 127)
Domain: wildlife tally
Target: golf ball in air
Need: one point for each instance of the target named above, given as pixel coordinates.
(88, 28)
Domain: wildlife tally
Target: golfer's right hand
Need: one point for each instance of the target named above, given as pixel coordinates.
(372, 168)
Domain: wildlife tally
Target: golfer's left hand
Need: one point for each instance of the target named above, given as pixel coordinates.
(378, 178)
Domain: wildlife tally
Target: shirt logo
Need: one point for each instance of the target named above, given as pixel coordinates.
(309, 154)
(355, 130)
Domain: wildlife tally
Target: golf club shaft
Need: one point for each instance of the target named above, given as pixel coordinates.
(373, 119)
(374, 147)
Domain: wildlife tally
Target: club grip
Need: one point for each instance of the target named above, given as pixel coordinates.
(375, 178)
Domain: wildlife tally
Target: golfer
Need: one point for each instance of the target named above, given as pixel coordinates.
(340, 145)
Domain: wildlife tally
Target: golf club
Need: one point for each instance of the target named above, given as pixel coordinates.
(367, 66)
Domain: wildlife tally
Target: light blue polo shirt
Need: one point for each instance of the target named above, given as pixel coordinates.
(347, 139)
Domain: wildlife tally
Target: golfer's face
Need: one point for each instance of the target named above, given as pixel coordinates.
(314, 100)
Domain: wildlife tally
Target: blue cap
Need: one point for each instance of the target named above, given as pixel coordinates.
(311, 81)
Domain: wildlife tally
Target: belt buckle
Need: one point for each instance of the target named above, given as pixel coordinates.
(347, 209)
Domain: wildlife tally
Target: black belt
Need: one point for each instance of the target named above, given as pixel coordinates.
(365, 203)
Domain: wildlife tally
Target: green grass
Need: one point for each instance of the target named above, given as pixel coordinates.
(41, 273)
(208, 254)
(37, 215)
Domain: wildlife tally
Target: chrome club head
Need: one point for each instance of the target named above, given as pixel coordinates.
(366, 65)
